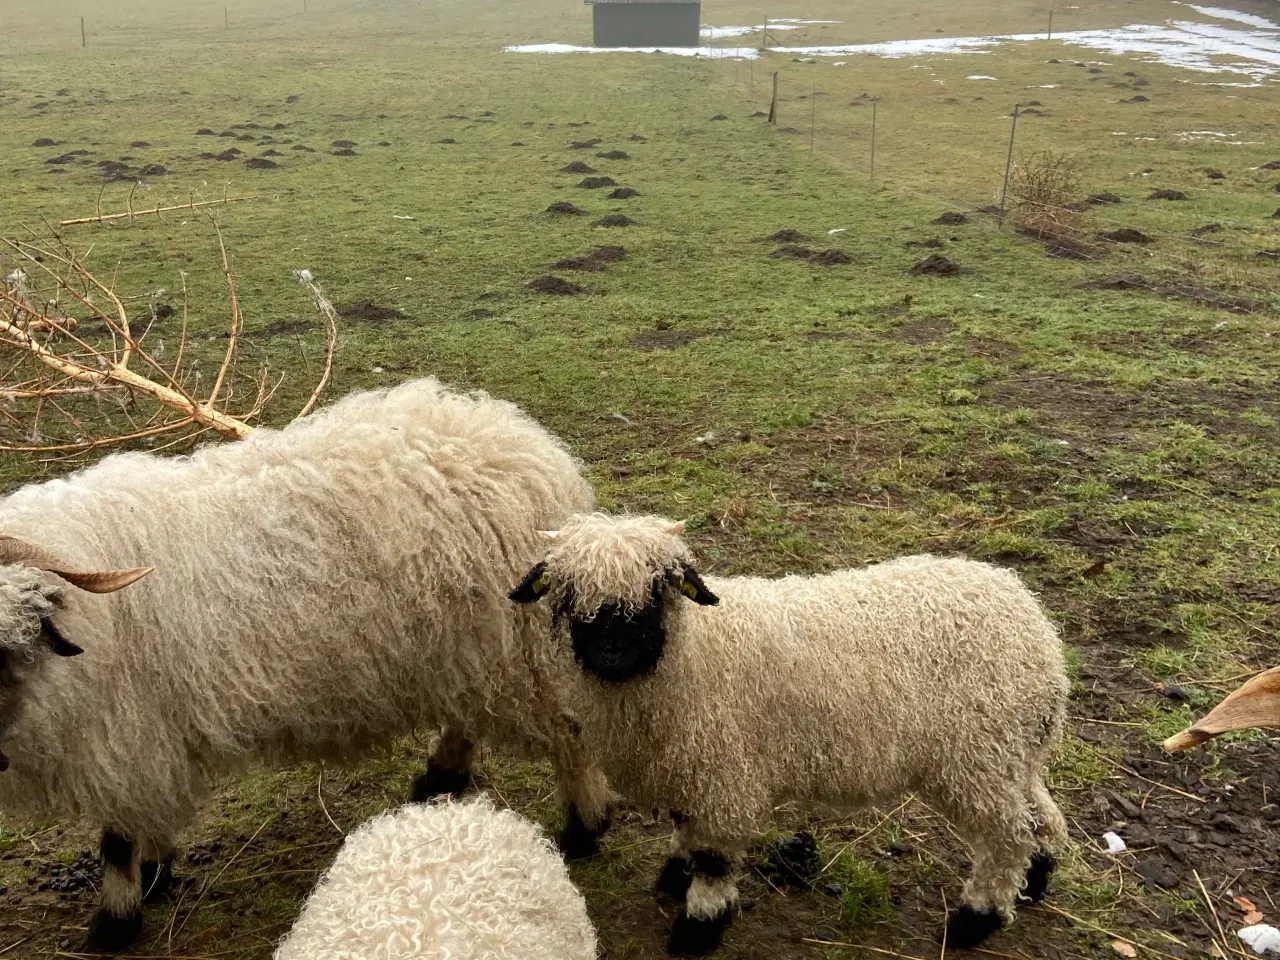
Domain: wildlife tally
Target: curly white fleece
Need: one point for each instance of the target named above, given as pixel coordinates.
(453, 881)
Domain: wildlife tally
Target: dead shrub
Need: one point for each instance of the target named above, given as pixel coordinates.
(1043, 186)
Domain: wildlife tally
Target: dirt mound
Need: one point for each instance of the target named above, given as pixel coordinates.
(636, 138)
(1272, 165)
(1167, 195)
(1127, 235)
(227, 155)
(344, 143)
(152, 170)
(272, 153)
(1273, 255)
(1064, 248)
(1179, 291)
(65, 158)
(345, 152)
(595, 183)
(1098, 198)
(261, 163)
(517, 143)
(45, 142)
(792, 251)
(1215, 175)
(624, 193)
(246, 137)
(935, 265)
(205, 132)
(609, 254)
(207, 156)
(831, 258)
(666, 339)
(1207, 229)
(614, 155)
(291, 98)
(761, 113)
(366, 311)
(586, 264)
(139, 144)
(303, 148)
(558, 286)
(454, 116)
(614, 220)
(566, 208)
(577, 167)
(446, 140)
(786, 236)
(279, 126)
(719, 116)
(951, 219)
(585, 144)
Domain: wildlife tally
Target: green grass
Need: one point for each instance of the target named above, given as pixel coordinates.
(1118, 448)
(864, 890)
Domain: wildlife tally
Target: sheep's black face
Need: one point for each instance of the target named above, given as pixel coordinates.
(616, 646)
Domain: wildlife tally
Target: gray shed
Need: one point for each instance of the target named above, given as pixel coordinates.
(646, 23)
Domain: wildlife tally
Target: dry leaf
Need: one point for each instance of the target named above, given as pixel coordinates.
(1216, 951)
(1252, 917)
(1124, 948)
(1244, 903)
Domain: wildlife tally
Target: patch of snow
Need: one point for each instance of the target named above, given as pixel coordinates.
(1114, 843)
(1218, 13)
(1178, 43)
(1047, 86)
(1119, 133)
(979, 76)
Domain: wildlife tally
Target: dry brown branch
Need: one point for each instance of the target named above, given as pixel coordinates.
(72, 386)
(132, 214)
(1044, 187)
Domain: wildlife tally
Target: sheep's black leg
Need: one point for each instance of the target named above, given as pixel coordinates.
(157, 878)
(577, 841)
(675, 879)
(969, 926)
(118, 919)
(708, 907)
(448, 770)
(1037, 885)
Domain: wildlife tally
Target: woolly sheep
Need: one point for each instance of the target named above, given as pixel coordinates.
(318, 590)
(448, 880)
(718, 700)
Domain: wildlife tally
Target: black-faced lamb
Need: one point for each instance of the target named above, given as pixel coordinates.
(718, 700)
(444, 880)
(317, 591)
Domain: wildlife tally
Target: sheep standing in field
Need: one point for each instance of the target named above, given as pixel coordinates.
(317, 591)
(448, 880)
(718, 700)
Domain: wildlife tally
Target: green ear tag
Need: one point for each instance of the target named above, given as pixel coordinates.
(540, 585)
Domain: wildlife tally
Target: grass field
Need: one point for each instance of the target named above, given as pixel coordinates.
(1119, 447)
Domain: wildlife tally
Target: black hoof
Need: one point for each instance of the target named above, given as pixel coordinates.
(967, 927)
(157, 879)
(111, 934)
(439, 781)
(691, 937)
(1042, 865)
(675, 879)
(576, 841)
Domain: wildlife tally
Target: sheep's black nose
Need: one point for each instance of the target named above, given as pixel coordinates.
(4, 763)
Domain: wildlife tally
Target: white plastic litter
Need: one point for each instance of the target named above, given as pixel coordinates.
(837, 230)
(1114, 843)
(1262, 938)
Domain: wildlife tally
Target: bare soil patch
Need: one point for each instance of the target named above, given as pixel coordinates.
(922, 332)
(935, 265)
(615, 220)
(366, 311)
(1127, 235)
(565, 208)
(951, 219)
(1167, 195)
(261, 163)
(595, 183)
(557, 286)
(614, 155)
(623, 193)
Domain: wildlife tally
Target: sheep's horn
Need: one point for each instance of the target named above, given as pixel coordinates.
(13, 550)
(549, 534)
(1255, 704)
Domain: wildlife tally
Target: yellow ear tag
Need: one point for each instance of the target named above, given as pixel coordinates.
(540, 585)
(688, 589)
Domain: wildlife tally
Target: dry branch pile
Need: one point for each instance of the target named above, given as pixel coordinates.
(71, 385)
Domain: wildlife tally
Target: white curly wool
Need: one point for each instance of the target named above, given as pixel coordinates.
(929, 675)
(318, 590)
(451, 881)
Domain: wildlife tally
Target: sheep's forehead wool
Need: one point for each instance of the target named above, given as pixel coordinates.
(607, 558)
(444, 880)
(24, 600)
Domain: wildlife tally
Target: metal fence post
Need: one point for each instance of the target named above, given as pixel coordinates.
(1008, 165)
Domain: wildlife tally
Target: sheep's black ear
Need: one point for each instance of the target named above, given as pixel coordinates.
(61, 645)
(533, 586)
(691, 586)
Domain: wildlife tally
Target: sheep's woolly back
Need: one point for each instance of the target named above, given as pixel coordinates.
(318, 590)
(614, 558)
(455, 881)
